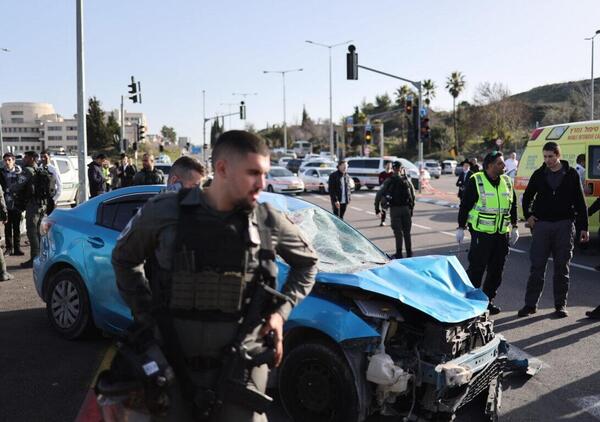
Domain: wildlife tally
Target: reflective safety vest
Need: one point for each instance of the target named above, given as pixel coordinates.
(491, 213)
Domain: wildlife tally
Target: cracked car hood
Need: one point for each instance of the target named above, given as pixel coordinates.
(435, 285)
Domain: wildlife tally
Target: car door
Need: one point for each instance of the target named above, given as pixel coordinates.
(111, 218)
(311, 182)
(68, 179)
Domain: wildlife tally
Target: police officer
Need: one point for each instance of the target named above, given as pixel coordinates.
(399, 191)
(149, 175)
(4, 275)
(34, 206)
(56, 183)
(206, 251)
(489, 206)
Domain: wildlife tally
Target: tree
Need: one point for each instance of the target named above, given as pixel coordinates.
(216, 130)
(382, 103)
(113, 130)
(97, 135)
(169, 133)
(455, 84)
(305, 117)
(429, 91)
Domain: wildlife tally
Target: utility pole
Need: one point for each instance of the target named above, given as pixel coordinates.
(81, 117)
(204, 128)
(283, 72)
(6, 50)
(329, 47)
(592, 77)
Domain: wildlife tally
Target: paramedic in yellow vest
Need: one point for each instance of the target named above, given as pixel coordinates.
(489, 210)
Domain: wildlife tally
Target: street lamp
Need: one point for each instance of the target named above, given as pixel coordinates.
(283, 72)
(330, 46)
(592, 81)
(6, 50)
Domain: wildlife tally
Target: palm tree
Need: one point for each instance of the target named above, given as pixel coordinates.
(429, 88)
(455, 84)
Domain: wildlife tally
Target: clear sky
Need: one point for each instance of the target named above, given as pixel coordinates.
(178, 48)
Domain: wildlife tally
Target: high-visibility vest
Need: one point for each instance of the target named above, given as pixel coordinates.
(491, 213)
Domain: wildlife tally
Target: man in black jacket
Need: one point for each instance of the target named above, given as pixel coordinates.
(339, 189)
(552, 202)
(96, 177)
(149, 175)
(462, 180)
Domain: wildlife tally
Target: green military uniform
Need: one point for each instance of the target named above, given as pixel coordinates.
(149, 177)
(155, 235)
(34, 209)
(401, 202)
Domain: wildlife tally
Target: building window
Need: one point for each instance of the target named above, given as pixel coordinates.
(16, 113)
(54, 128)
(72, 128)
(71, 138)
(16, 120)
(55, 138)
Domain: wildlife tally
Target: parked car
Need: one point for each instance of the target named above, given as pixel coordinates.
(281, 180)
(365, 170)
(315, 163)
(282, 162)
(294, 165)
(374, 336)
(165, 168)
(302, 148)
(317, 179)
(69, 178)
(433, 167)
(448, 166)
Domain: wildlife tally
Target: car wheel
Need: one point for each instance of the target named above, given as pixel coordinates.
(68, 305)
(321, 189)
(370, 187)
(270, 188)
(316, 384)
(357, 185)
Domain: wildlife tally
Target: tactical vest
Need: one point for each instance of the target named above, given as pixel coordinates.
(399, 191)
(491, 213)
(215, 264)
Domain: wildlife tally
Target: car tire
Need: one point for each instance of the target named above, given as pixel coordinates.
(321, 189)
(270, 189)
(68, 305)
(370, 187)
(316, 384)
(357, 185)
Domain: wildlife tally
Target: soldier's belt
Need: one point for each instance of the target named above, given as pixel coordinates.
(207, 291)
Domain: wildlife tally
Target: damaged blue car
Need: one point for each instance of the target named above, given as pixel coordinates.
(409, 338)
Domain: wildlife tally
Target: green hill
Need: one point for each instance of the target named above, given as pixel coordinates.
(555, 94)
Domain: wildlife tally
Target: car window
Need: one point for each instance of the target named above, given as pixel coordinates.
(63, 166)
(116, 214)
(280, 172)
(371, 164)
(312, 173)
(340, 248)
(356, 163)
(326, 172)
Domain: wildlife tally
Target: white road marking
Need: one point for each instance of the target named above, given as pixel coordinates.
(587, 404)
(356, 208)
(370, 212)
(421, 227)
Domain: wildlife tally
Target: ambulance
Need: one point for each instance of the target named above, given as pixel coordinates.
(574, 139)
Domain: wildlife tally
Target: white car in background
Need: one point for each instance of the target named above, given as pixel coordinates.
(316, 163)
(281, 180)
(433, 167)
(317, 179)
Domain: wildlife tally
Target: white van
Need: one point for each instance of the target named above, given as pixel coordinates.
(69, 178)
(302, 148)
(365, 170)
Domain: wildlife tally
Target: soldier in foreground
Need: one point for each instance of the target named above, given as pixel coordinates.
(209, 255)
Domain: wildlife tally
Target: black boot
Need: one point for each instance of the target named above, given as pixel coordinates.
(17, 251)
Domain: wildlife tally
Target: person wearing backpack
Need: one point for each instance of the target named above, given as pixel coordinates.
(55, 182)
(399, 194)
(34, 193)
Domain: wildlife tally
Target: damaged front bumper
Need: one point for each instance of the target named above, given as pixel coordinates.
(459, 381)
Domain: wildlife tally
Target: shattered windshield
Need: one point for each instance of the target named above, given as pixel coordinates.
(340, 248)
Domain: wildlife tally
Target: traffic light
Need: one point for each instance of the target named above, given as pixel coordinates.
(134, 146)
(351, 63)
(187, 146)
(141, 132)
(408, 106)
(242, 111)
(425, 129)
(368, 136)
(133, 90)
(161, 149)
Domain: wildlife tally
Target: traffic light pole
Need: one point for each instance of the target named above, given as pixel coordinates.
(122, 143)
(208, 119)
(417, 85)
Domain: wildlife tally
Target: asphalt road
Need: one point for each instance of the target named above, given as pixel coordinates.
(45, 378)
